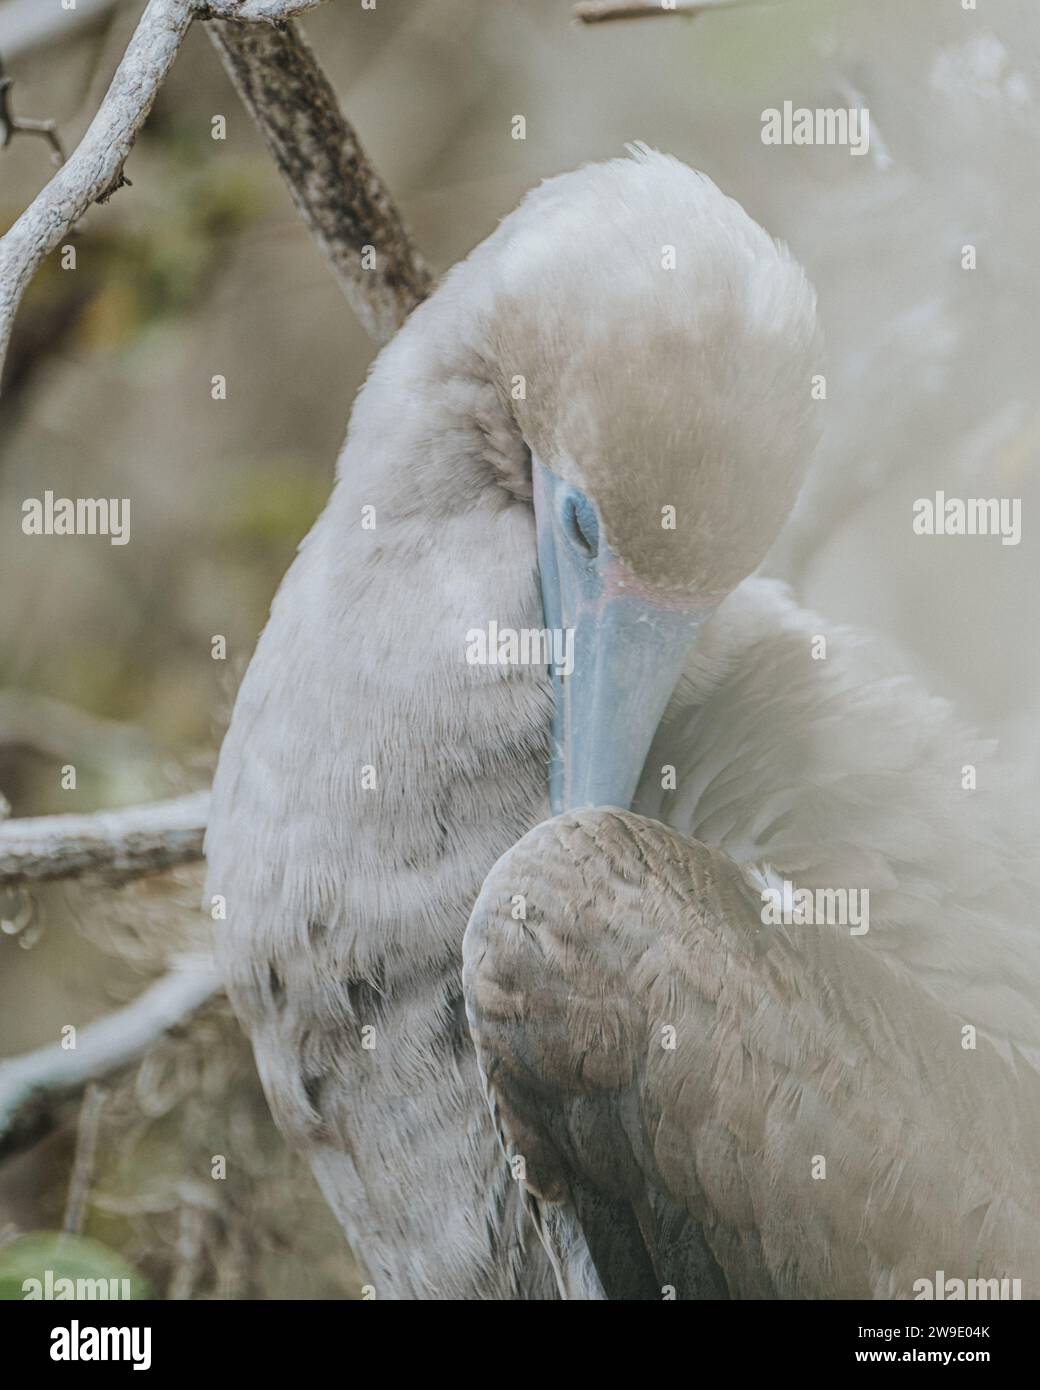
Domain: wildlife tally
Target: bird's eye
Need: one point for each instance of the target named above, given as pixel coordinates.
(581, 524)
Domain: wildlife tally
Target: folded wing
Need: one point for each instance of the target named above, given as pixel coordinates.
(721, 1105)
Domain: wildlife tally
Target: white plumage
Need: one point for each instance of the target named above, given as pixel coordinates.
(371, 776)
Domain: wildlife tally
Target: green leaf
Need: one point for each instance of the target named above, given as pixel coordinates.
(75, 1258)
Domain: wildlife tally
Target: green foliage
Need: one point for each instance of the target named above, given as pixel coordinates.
(65, 1257)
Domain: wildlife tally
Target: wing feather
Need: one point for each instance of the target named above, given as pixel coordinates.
(783, 1100)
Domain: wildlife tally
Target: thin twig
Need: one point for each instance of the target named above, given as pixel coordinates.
(33, 1086)
(82, 1178)
(115, 845)
(191, 1233)
(95, 169)
(254, 11)
(603, 11)
(12, 125)
(336, 190)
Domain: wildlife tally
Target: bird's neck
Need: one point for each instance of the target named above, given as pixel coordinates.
(403, 768)
(370, 778)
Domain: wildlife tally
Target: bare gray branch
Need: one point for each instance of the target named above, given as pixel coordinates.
(117, 845)
(252, 11)
(95, 169)
(33, 1086)
(346, 206)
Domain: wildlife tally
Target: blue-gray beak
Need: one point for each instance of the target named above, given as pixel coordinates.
(624, 644)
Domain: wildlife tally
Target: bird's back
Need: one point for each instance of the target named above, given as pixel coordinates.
(796, 751)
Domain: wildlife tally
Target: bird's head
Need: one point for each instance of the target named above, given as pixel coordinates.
(657, 348)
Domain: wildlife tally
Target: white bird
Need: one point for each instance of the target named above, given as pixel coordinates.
(633, 354)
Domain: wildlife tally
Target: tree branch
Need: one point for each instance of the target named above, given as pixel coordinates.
(336, 190)
(95, 169)
(254, 11)
(82, 1176)
(33, 1086)
(347, 208)
(12, 125)
(117, 845)
(602, 11)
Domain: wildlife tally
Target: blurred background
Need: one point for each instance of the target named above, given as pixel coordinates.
(202, 268)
